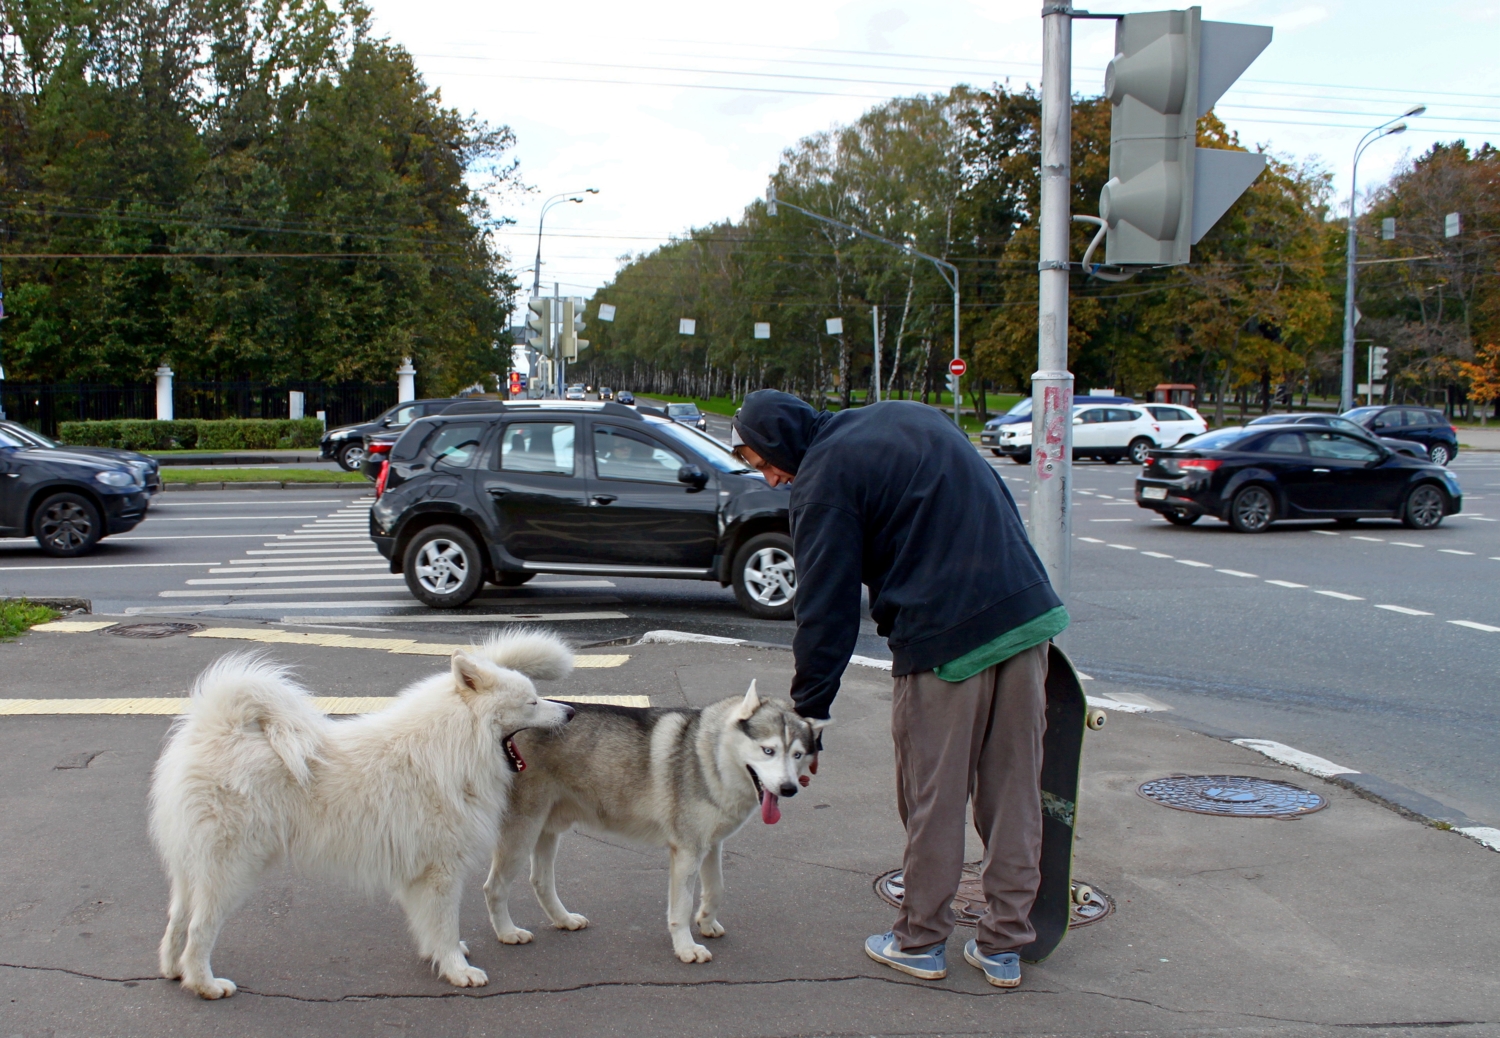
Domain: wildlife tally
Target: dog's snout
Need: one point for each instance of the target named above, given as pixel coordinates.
(568, 711)
(789, 789)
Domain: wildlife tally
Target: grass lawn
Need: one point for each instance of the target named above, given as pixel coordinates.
(17, 614)
(183, 474)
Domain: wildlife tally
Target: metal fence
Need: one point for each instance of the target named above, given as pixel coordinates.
(44, 406)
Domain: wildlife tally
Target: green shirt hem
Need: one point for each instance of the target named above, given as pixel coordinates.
(1017, 639)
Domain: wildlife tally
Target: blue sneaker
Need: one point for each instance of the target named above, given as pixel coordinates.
(1002, 970)
(926, 963)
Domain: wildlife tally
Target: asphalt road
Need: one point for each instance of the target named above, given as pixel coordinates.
(1375, 647)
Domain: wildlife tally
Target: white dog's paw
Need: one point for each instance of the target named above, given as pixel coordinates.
(710, 928)
(466, 977)
(572, 921)
(513, 936)
(695, 953)
(215, 987)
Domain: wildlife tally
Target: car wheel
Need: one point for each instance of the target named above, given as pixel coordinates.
(66, 525)
(1139, 448)
(1424, 508)
(513, 579)
(765, 576)
(994, 452)
(1111, 459)
(1439, 454)
(443, 567)
(1181, 517)
(1021, 459)
(1252, 510)
(351, 456)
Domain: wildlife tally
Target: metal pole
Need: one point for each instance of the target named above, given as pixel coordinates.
(562, 365)
(1052, 384)
(875, 331)
(1346, 388)
(955, 378)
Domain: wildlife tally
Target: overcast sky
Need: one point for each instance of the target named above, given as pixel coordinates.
(677, 111)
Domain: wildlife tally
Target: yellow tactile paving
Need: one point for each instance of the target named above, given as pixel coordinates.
(74, 626)
(178, 705)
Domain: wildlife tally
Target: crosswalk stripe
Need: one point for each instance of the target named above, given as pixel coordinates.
(170, 705)
(400, 646)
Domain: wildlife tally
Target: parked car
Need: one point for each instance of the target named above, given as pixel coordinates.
(1425, 425)
(1107, 433)
(148, 467)
(377, 450)
(575, 393)
(66, 500)
(346, 444)
(1020, 414)
(1253, 476)
(1410, 448)
(1177, 422)
(501, 492)
(687, 414)
(625, 397)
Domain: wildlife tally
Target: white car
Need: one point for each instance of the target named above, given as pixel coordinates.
(1177, 422)
(1108, 433)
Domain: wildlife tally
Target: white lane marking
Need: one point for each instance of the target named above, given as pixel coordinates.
(1110, 520)
(1406, 544)
(1377, 540)
(238, 592)
(331, 553)
(1403, 610)
(328, 566)
(1285, 583)
(193, 537)
(1454, 551)
(1122, 547)
(220, 518)
(1200, 565)
(244, 579)
(1090, 493)
(403, 603)
(1479, 518)
(1091, 540)
(1325, 533)
(1156, 555)
(1476, 626)
(1295, 758)
(238, 504)
(1235, 573)
(107, 565)
(1482, 834)
(1340, 595)
(286, 539)
(1105, 497)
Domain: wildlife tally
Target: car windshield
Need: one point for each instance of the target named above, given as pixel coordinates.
(716, 454)
(682, 410)
(1022, 407)
(31, 435)
(1218, 440)
(1359, 414)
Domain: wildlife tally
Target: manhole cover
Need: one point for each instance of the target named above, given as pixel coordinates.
(1236, 795)
(164, 629)
(1090, 904)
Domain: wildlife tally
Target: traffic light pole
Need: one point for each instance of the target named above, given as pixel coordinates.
(1052, 383)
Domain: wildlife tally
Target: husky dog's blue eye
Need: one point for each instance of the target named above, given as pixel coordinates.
(770, 752)
(797, 755)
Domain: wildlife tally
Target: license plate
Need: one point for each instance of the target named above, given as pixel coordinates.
(1154, 493)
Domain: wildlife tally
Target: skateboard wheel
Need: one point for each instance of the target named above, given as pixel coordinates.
(1095, 719)
(1082, 893)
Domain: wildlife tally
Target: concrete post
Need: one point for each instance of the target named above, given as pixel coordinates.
(406, 381)
(296, 405)
(164, 393)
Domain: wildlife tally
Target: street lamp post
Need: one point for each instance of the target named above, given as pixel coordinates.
(1385, 129)
(946, 269)
(566, 196)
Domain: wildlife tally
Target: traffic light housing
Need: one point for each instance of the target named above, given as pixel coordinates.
(1377, 362)
(572, 324)
(539, 325)
(1164, 192)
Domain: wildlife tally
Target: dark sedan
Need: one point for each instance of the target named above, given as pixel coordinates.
(346, 444)
(66, 501)
(1411, 448)
(148, 467)
(1252, 477)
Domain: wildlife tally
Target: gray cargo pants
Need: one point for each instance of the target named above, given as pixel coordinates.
(980, 739)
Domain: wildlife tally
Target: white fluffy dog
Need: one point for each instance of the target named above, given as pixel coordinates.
(406, 800)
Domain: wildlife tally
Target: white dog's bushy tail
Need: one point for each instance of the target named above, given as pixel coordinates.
(540, 655)
(243, 693)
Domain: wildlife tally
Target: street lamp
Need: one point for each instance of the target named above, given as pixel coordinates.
(558, 199)
(1385, 129)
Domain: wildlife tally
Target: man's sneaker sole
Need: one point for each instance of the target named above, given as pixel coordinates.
(920, 974)
(972, 961)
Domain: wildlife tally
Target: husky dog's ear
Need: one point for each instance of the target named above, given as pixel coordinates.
(468, 678)
(748, 705)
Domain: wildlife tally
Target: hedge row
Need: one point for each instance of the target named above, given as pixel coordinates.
(196, 434)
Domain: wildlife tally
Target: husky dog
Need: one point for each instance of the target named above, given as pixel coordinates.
(683, 779)
(405, 800)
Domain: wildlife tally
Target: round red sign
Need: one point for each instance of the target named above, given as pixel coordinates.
(957, 366)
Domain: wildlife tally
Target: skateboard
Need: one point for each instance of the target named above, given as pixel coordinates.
(1068, 714)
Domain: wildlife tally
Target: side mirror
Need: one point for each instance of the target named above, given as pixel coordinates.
(693, 476)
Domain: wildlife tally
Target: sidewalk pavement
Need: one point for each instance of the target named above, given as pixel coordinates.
(1479, 438)
(1350, 919)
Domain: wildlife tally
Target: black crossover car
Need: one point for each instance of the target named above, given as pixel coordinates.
(346, 444)
(503, 491)
(66, 500)
(1411, 448)
(1425, 425)
(1251, 477)
(148, 467)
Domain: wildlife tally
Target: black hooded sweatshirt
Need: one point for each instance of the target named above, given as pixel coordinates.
(895, 497)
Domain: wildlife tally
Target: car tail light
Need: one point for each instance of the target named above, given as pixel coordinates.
(1202, 464)
(380, 448)
(1453, 429)
(385, 470)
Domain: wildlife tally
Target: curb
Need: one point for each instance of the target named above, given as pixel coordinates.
(264, 485)
(66, 606)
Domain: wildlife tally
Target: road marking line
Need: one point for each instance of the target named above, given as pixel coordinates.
(1325, 533)
(1122, 547)
(107, 565)
(1406, 544)
(1482, 834)
(168, 705)
(242, 592)
(293, 580)
(1295, 758)
(302, 620)
(1478, 518)
(329, 552)
(1105, 497)
(1110, 520)
(1403, 610)
(74, 626)
(326, 566)
(1478, 627)
(1454, 551)
(1285, 583)
(221, 518)
(1377, 540)
(1200, 565)
(174, 505)
(400, 646)
(1091, 540)
(1156, 555)
(1235, 573)
(192, 537)
(1340, 595)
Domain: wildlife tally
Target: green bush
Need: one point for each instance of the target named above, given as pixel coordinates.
(196, 434)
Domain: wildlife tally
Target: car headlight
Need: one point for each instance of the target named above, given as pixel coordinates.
(114, 478)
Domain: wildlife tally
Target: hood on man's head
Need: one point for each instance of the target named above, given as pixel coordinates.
(779, 427)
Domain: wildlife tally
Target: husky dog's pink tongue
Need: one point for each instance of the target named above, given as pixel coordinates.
(770, 810)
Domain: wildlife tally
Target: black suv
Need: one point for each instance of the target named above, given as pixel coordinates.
(503, 491)
(1425, 425)
(66, 501)
(346, 444)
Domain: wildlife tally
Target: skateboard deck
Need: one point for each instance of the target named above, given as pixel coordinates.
(1062, 754)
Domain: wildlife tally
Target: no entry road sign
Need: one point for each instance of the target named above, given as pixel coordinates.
(957, 366)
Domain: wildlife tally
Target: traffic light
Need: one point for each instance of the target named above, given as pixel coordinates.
(1164, 193)
(1377, 362)
(572, 324)
(539, 325)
